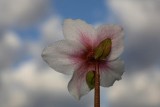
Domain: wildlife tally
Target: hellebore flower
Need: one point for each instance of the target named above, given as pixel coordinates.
(80, 51)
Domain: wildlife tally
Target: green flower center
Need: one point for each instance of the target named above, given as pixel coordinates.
(100, 54)
(103, 50)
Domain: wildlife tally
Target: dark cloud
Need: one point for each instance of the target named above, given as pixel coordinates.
(22, 12)
(142, 50)
(140, 19)
(44, 99)
(39, 98)
(142, 31)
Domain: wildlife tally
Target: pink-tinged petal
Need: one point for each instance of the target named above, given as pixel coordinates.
(117, 66)
(59, 56)
(77, 85)
(111, 73)
(116, 34)
(79, 31)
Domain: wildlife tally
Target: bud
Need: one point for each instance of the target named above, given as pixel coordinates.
(103, 49)
(90, 79)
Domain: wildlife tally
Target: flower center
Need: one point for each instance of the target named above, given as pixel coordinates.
(90, 57)
(99, 54)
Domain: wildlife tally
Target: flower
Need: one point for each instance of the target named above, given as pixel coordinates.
(82, 48)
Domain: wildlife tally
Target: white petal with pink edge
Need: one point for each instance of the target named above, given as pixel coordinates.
(116, 34)
(79, 31)
(77, 85)
(113, 72)
(59, 55)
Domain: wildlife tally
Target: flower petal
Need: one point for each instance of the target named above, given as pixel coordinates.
(113, 72)
(79, 31)
(59, 56)
(116, 34)
(78, 85)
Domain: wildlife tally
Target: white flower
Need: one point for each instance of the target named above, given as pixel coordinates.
(82, 47)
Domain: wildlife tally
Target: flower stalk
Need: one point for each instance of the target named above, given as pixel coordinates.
(97, 87)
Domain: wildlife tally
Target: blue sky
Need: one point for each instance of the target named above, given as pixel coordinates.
(92, 11)
(89, 10)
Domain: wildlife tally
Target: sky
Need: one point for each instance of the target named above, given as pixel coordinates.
(27, 26)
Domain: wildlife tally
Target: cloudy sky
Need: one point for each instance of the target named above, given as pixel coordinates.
(27, 26)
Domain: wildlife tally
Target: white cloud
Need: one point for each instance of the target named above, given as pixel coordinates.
(31, 77)
(142, 27)
(140, 19)
(16, 99)
(138, 89)
(11, 39)
(52, 29)
(137, 14)
(21, 12)
(30, 85)
(10, 45)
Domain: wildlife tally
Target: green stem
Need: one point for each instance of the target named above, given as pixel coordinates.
(97, 87)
